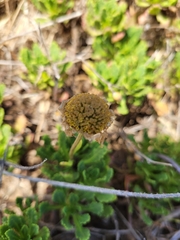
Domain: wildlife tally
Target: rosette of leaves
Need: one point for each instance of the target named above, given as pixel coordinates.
(25, 226)
(156, 178)
(108, 17)
(89, 167)
(127, 73)
(53, 8)
(39, 66)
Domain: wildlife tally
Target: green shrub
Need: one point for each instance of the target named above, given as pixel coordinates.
(89, 167)
(39, 66)
(25, 226)
(128, 72)
(156, 178)
(53, 8)
(108, 17)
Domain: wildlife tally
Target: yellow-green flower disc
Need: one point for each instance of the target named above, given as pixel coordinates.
(88, 113)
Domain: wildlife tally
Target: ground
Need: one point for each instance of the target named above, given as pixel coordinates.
(33, 113)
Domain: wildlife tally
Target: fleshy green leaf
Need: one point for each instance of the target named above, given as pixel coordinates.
(82, 233)
(12, 235)
(82, 219)
(105, 197)
(2, 89)
(31, 215)
(16, 222)
(59, 196)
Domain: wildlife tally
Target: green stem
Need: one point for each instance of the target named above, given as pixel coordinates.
(78, 139)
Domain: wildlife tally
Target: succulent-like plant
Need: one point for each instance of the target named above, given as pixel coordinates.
(85, 163)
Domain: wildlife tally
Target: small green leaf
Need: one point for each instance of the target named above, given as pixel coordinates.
(65, 221)
(59, 196)
(44, 207)
(82, 233)
(122, 108)
(106, 198)
(3, 229)
(24, 231)
(2, 89)
(31, 215)
(33, 229)
(107, 211)
(94, 207)
(16, 222)
(73, 198)
(81, 219)
(12, 235)
(1, 115)
(19, 202)
(44, 233)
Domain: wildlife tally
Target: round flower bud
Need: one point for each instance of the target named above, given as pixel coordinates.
(87, 114)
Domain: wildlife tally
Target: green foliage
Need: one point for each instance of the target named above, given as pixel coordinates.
(39, 65)
(89, 167)
(155, 8)
(156, 178)
(5, 129)
(127, 73)
(125, 68)
(160, 3)
(174, 73)
(108, 17)
(53, 8)
(5, 134)
(22, 227)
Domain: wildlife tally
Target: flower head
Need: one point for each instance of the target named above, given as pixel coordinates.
(87, 114)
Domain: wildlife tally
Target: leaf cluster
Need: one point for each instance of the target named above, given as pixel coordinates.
(126, 70)
(90, 167)
(39, 65)
(53, 8)
(25, 226)
(156, 178)
(156, 7)
(108, 17)
(158, 3)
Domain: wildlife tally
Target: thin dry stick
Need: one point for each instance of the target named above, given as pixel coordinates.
(56, 75)
(15, 15)
(9, 62)
(76, 186)
(169, 160)
(9, 164)
(131, 145)
(109, 85)
(127, 224)
(49, 24)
